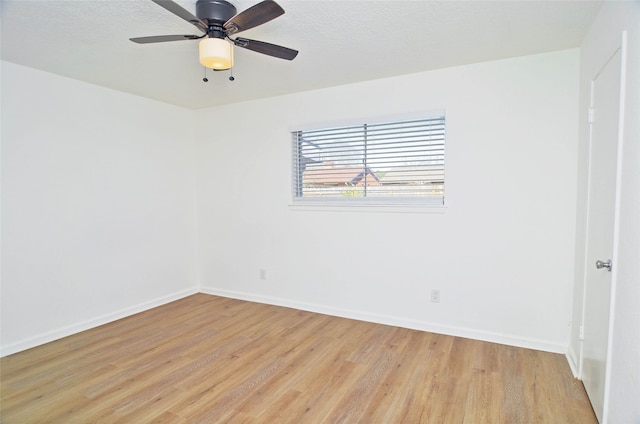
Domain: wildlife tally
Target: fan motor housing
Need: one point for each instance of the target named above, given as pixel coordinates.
(215, 12)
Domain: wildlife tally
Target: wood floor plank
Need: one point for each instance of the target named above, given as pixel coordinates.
(403, 389)
(212, 359)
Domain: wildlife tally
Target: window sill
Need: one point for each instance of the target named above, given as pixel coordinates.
(380, 207)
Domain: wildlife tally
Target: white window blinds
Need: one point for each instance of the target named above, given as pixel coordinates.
(394, 161)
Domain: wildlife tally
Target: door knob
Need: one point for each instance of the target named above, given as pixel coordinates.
(600, 264)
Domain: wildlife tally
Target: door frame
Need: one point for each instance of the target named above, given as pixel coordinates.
(622, 47)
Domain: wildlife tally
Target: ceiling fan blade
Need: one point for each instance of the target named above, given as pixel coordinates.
(257, 14)
(163, 38)
(181, 12)
(266, 48)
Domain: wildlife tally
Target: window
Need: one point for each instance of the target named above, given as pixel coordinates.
(379, 163)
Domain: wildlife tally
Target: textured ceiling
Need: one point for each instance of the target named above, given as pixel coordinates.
(340, 42)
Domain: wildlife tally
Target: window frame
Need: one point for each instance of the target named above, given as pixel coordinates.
(389, 203)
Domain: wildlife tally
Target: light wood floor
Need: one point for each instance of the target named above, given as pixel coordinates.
(207, 359)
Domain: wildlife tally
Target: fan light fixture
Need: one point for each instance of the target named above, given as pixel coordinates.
(218, 20)
(216, 53)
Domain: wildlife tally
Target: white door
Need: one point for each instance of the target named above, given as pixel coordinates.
(603, 155)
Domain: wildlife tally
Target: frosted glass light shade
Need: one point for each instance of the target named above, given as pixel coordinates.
(216, 53)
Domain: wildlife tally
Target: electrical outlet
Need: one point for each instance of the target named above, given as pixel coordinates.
(435, 295)
(263, 274)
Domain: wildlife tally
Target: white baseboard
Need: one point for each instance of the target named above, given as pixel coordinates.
(91, 323)
(572, 359)
(469, 333)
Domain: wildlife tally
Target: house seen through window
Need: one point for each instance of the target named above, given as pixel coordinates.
(380, 162)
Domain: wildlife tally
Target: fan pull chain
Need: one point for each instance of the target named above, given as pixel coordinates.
(205, 79)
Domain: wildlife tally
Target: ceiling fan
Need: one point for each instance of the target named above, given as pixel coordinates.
(218, 20)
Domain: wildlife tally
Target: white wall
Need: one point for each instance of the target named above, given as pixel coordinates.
(605, 35)
(501, 253)
(98, 198)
